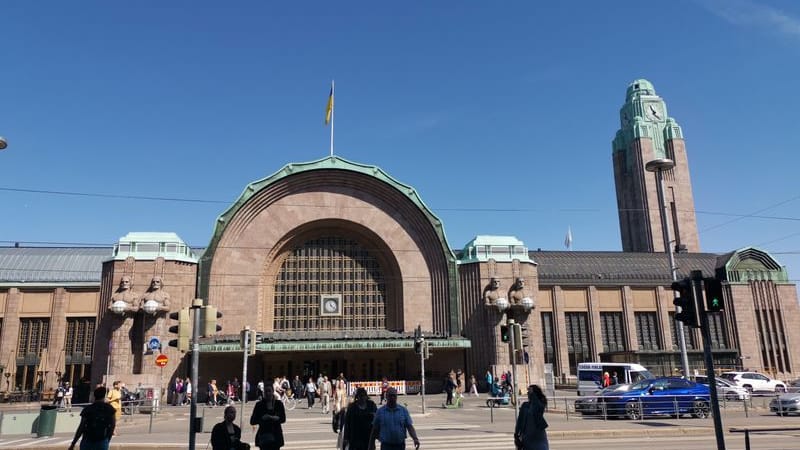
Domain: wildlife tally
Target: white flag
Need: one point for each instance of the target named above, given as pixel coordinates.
(568, 239)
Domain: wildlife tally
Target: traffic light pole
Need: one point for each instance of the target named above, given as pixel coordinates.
(245, 353)
(197, 305)
(514, 396)
(422, 370)
(697, 286)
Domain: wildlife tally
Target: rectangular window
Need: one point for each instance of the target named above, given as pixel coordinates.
(578, 345)
(688, 336)
(716, 327)
(647, 330)
(33, 337)
(548, 337)
(612, 331)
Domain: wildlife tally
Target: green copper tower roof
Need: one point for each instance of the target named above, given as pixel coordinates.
(644, 115)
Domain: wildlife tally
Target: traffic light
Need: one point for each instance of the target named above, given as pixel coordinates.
(714, 299)
(208, 320)
(504, 333)
(687, 302)
(517, 336)
(418, 346)
(426, 350)
(252, 340)
(181, 329)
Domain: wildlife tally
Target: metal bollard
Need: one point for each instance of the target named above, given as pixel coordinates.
(150, 428)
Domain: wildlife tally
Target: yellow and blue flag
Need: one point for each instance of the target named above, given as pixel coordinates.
(329, 108)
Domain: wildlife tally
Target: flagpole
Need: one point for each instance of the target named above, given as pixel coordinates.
(333, 108)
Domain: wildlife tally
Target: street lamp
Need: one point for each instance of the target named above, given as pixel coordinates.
(659, 166)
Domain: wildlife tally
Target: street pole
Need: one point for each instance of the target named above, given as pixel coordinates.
(511, 330)
(658, 166)
(422, 370)
(245, 352)
(697, 287)
(197, 304)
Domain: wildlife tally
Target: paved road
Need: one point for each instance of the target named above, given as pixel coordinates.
(466, 428)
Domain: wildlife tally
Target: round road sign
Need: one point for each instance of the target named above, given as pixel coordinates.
(162, 360)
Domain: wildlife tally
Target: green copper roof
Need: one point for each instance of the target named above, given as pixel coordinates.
(499, 248)
(336, 163)
(752, 264)
(644, 115)
(151, 245)
(329, 163)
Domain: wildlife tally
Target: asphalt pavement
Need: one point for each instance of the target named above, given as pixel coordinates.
(472, 426)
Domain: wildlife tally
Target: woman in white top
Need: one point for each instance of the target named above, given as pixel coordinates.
(187, 388)
(311, 391)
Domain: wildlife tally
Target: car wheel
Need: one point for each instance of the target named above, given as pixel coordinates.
(731, 396)
(749, 388)
(633, 411)
(700, 409)
(780, 388)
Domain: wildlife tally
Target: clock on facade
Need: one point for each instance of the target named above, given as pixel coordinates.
(330, 304)
(653, 111)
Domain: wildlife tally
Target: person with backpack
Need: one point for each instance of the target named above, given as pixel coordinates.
(98, 422)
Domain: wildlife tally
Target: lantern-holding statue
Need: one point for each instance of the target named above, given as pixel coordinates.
(518, 295)
(155, 299)
(124, 298)
(492, 292)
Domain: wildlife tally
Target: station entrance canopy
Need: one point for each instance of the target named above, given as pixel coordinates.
(331, 341)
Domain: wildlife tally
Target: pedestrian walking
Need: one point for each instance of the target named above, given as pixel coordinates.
(358, 422)
(325, 395)
(473, 386)
(115, 399)
(311, 392)
(226, 435)
(390, 425)
(269, 414)
(68, 396)
(530, 431)
(97, 425)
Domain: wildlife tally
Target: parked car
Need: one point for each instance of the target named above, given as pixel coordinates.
(725, 389)
(754, 381)
(786, 404)
(593, 405)
(794, 385)
(661, 396)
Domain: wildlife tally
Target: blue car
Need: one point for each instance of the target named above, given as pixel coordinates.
(670, 396)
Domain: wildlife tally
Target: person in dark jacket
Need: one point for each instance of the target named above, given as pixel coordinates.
(358, 421)
(269, 414)
(226, 435)
(530, 431)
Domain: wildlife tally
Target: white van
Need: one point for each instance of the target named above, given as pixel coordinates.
(590, 375)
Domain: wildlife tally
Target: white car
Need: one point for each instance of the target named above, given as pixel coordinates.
(725, 389)
(754, 381)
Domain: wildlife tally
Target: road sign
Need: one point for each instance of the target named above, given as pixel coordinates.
(154, 343)
(162, 360)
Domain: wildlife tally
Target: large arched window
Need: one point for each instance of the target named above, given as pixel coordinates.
(332, 268)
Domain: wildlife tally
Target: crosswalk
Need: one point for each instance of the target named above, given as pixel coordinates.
(462, 442)
(300, 433)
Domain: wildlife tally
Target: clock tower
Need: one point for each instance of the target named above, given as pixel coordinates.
(647, 133)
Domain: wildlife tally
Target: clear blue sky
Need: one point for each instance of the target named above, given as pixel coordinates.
(478, 105)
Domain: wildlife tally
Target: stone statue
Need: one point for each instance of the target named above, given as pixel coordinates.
(123, 294)
(492, 292)
(155, 293)
(517, 292)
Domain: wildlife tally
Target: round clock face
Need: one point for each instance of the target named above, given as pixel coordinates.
(654, 112)
(331, 306)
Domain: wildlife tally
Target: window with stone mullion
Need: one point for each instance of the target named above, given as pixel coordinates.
(688, 336)
(612, 331)
(577, 327)
(647, 330)
(548, 338)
